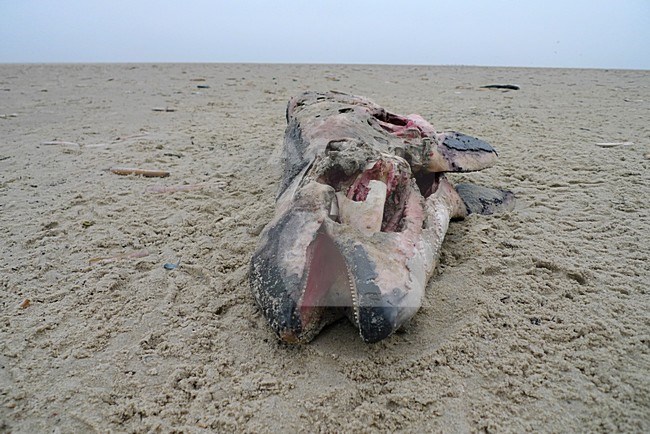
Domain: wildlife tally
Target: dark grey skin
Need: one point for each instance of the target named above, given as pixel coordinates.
(361, 213)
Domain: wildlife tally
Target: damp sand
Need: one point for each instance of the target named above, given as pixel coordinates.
(536, 320)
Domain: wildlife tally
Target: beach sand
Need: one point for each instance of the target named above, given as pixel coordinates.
(536, 320)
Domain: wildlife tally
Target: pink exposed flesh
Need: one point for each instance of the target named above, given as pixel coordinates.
(325, 266)
(408, 127)
(380, 171)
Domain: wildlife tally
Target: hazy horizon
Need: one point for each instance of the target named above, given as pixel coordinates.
(551, 34)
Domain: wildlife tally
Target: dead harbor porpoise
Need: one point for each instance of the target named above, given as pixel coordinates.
(361, 213)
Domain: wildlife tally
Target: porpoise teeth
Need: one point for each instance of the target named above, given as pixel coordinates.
(334, 210)
(353, 293)
(366, 216)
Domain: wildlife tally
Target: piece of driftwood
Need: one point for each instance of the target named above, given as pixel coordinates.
(613, 144)
(60, 143)
(501, 86)
(148, 173)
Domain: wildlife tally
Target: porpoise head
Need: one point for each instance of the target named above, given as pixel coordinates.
(347, 241)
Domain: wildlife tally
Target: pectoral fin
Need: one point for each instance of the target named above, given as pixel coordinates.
(484, 200)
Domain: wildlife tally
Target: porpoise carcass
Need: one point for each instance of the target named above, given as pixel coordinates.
(361, 213)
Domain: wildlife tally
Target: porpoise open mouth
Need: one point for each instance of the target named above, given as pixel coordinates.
(373, 201)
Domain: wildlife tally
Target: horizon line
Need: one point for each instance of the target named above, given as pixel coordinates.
(148, 62)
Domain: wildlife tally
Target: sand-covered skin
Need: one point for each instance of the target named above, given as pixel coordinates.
(537, 320)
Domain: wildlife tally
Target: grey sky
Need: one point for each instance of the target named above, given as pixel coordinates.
(548, 33)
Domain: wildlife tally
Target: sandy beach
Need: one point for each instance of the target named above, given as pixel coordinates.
(536, 320)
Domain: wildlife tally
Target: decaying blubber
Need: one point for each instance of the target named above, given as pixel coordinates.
(362, 210)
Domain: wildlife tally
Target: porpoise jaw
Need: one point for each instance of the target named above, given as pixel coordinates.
(325, 257)
(360, 217)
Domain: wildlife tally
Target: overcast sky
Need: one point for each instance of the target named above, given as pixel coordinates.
(547, 33)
